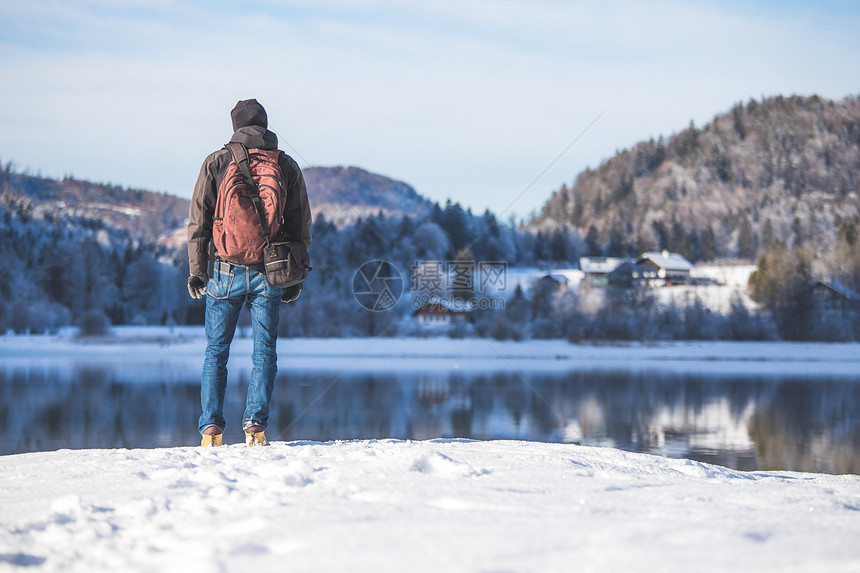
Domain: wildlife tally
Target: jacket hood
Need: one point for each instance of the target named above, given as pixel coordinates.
(255, 137)
(248, 112)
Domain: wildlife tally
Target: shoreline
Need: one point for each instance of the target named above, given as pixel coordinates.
(181, 348)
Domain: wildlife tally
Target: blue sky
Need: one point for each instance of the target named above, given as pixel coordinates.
(469, 99)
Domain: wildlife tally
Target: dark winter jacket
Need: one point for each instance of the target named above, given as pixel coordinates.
(297, 211)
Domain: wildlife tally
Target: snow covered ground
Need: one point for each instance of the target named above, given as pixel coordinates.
(728, 282)
(439, 505)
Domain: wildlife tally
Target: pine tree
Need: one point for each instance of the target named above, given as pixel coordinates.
(709, 244)
(746, 240)
(767, 234)
(578, 209)
(617, 246)
(559, 245)
(592, 242)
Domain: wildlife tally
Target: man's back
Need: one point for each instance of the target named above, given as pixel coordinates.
(229, 282)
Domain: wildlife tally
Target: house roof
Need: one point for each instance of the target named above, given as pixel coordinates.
(630, 266)
(432, 309)
(557, 278)
(599, 265)
(667, 260)
(840, 289)
(628, 271)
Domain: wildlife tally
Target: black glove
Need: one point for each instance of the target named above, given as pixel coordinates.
(291, 293)
(196, 286)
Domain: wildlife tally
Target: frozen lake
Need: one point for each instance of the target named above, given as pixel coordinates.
(775, 406)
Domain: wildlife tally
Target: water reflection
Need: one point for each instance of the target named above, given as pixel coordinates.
(742, 422)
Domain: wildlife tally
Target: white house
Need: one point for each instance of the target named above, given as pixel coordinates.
(595, 269)
(671, 267)
(437, 314)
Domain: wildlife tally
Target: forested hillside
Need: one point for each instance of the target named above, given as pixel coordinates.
(85, 251)
(783, 168)
(775, 181)
(71, 203)
(95, 254)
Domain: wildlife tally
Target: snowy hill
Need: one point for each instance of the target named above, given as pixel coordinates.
(438, 505)
(783, 168)
(340, 194)
(120, 254)
(344, 194)
(75, 207)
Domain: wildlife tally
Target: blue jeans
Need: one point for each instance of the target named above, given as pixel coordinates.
(226, 292)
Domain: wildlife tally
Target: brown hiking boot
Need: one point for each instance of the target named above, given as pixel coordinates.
(255, 436)
(211, 437)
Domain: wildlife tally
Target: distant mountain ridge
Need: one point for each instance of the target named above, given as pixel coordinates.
(96, 254)
(340, 194)
(784, 168)
(74, 204)
(344, 194)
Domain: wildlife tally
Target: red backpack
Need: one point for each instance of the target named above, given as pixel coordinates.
(237, 232)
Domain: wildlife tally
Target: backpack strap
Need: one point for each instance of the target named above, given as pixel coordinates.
(240, 156)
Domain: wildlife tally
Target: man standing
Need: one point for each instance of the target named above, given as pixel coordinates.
(228, 284)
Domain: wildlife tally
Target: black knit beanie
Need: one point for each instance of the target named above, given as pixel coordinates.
(248, 112)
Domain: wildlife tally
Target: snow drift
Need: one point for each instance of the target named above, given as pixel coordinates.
(439, 505)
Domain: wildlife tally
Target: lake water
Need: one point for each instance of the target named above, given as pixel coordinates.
(779, 422)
